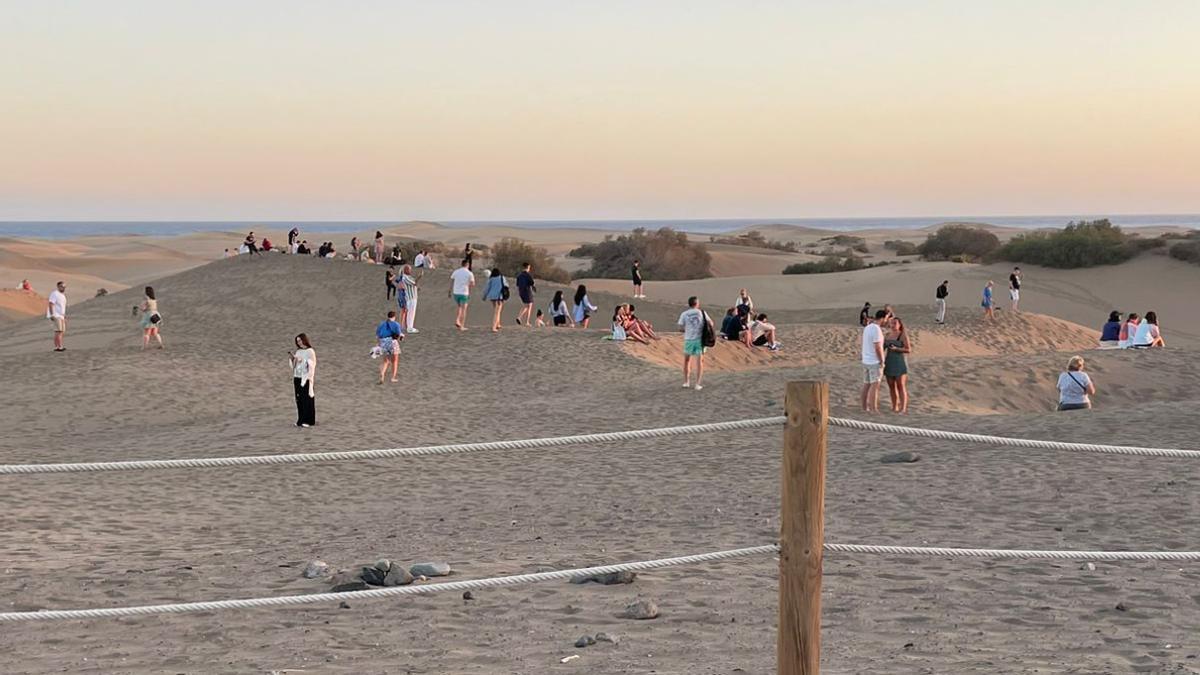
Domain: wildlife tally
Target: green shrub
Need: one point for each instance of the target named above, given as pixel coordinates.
(1187, 251)
(848, 240)
(509, 254)
(1082, 244)
(755, 239)
(901, 247)
(665, 254)
(959, 240)
(829, 263)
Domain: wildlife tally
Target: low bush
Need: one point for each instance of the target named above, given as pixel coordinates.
(1082, 244)
(510, 254)
(959, 240)
(755, 239)
(834, 263)
(901, 247)
(848, 240)
(1187, 251)
(666, 255)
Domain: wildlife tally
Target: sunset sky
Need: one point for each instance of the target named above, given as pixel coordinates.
(619, 109)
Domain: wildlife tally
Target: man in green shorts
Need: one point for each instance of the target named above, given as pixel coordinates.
(462, 280)
(691, 323)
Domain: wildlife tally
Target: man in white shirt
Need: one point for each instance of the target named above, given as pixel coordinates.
(462, 280)
(56, 311)
(872, 360)
(419, 261)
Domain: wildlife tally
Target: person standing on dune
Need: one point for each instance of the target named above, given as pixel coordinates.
(150, 319)
(637, 279)
(691, 324)
(1014, 288)
(939, 300)
(526, 289)
(56, 311)
(872, 360)
(989, 302)
(378, 248)
(410, 298)
(304, 374)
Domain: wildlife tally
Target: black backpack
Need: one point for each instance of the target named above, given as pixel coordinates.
(708, 337)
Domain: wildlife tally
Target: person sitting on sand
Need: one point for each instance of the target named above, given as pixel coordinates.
(1128, 330)
(559, 313)
(643, 327)
(354, 244)
(618, 324)
(266, 245)
(1148, 334)
(1075, 387)
(762, 333)
(389, 333)
(250, 244)
(895, 364)
(630, 325)
(25, 285)
(733, 327)
(744, 300)
(1110, 335)
(583, 307)
(988, 303)
(330, 251)
(303, 249)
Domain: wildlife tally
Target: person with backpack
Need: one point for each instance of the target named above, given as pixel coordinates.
(939, 300)
(496, 292)
(698, 333)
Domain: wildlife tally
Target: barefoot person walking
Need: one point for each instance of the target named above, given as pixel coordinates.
(989, 302)
(496, 293)
(56, 311)
(462, 280)
(150, 319)
(526, 289)
(304, 373)
(691, 324)
(389, 333)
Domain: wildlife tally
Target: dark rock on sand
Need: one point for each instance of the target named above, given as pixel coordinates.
(901, 458)
(430, 569)
(609, 579)
(641, 610)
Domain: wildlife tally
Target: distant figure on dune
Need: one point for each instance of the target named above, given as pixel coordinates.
(409, 311)
(389, 333)
(150, 319)
(1128, 331)
(988, 303)
(1148, 334)
(304, 375)
(637, 279)
(583, 307)
(227, 254)
(1110, 335)
(939, 301)
(559, 313)
(1075, 387)
(496, 293)
(526, 289)
(56, 311)
(872, 360)
(293, 235)
(895, 364)
(469, 256)
(266, 246)
(864, 317)
(1014, 288)
(378, 248)
(692, 324)
(462, 280)
(251, 244)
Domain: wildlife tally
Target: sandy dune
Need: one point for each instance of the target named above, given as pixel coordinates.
(221, 388)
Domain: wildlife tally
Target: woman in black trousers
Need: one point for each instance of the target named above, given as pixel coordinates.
(304, 372)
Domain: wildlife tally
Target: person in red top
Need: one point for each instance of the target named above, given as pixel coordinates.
(25, 286)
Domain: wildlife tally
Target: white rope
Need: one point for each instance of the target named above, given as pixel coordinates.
(475, 584)
(1011, 442)
(609, 437)
(389, 453)
(494, 582)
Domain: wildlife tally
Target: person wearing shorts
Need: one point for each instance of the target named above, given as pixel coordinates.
(462, 280)
(636, 274)
(1014, 288)
(691, 324)
(389, 333)
(526, 288)
(56, 311)
(872, 360)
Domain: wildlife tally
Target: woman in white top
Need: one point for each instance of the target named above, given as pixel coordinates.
(150, 319)
(1148, 334)
(559, 313)
(304, 372)
(1075, 387)
(583, 307)
(743, 299)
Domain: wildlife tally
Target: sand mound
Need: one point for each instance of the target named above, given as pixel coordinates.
(16, 304)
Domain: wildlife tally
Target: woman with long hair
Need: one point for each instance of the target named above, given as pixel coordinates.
(496, 293)
(1148, 334)
(150, 319)
(583, 307)
(378, 248)
(895, 364)
(304, 374)
(560, 314)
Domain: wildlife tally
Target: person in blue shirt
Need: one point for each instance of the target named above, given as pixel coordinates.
(526, 289)
(1110, 336)
(496, 292)
(390, 334)
(988, 304)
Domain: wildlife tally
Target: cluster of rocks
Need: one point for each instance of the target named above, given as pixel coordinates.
(383, 573)
(589, 640)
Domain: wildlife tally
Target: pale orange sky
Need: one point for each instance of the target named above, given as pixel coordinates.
(522, 110)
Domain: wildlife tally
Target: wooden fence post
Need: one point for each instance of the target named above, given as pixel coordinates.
(802, 528)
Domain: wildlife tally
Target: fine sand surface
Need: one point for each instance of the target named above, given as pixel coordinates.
(223, 387)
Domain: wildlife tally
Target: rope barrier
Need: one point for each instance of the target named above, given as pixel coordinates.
(1010, 442)
(561, 441)
(389, 453)
(513, 580)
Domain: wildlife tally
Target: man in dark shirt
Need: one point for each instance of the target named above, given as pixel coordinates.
(940, 300)
(637, 279)
(1014, 287)
(526, 289)
(864, 317)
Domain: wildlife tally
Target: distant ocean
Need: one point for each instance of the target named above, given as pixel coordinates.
(72, 229)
